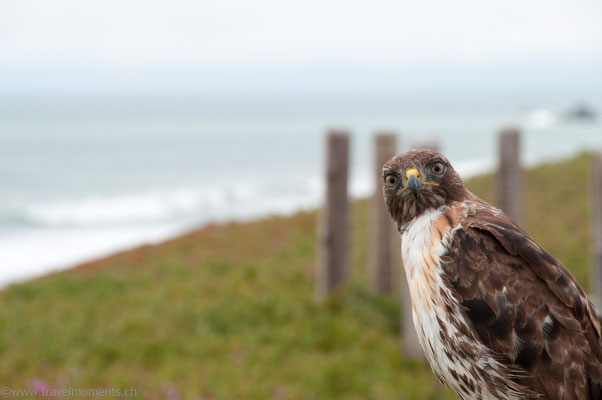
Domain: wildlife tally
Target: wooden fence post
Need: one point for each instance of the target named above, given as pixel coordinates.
(385, 254)
(509, 174)
(596, 276)
(409, 338)
(334, 224)
(425, 143)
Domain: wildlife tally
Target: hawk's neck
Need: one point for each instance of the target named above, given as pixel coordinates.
(424, 241)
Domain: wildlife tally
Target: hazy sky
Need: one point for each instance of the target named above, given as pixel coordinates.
(268, 45)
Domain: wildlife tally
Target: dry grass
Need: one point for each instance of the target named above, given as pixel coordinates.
(228, 312)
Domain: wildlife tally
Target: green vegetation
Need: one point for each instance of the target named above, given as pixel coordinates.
(229, 312)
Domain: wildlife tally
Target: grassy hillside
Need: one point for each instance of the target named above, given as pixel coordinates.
(228, 312)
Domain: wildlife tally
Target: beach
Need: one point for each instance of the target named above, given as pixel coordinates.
(88, 177)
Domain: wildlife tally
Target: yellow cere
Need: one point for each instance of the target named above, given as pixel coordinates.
(416, 173)
(412, 171)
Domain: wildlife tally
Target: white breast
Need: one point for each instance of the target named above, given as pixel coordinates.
(424, 241)
(421, 251)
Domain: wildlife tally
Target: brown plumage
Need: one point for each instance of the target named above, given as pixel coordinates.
(497, 316)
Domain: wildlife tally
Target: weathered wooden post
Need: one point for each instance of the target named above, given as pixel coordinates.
(334, 224)
(409, 339)
(596, 276)
(385, 254)
(425, 143)
(509, 174)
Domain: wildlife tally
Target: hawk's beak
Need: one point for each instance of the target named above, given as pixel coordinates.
(414, 182)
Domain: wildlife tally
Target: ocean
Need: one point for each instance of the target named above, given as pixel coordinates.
(81, 177)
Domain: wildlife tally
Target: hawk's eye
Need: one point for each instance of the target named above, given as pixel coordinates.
(437, 168)
(391, 180)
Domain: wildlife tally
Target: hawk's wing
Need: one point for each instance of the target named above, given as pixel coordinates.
(526, 307)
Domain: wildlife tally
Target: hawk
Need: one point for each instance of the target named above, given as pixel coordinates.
(497, 316)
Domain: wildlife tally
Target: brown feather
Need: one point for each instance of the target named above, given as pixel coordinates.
(506, 297)
(526, 306)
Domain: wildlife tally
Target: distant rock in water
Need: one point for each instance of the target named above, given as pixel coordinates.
(581, 112)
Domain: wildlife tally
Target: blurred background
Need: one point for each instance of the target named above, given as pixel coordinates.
(124, 123)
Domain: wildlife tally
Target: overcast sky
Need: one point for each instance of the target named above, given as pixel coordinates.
(242, 45)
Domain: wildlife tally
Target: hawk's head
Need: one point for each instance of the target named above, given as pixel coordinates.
(418, 180)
